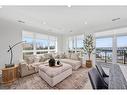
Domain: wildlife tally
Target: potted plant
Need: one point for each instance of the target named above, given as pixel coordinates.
(88, 49)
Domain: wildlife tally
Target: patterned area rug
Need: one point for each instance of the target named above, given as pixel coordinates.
(77, 80)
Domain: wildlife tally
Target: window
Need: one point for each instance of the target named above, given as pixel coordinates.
(28, 37)
(37, 43)
(122, 49)
(80, 41)
(29, 43)
(75, 43)
(52, 43)
(70, 43)
(41, 41)
(104, 50)
(41, 44)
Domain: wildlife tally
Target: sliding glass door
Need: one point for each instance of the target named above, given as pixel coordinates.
(122, 49)
(104, 50)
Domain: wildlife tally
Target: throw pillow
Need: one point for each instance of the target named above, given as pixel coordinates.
(68, 55)
(37, 59)
(74, 56)
(62, 55)
(48, 55)
(43, 58)
(30, 59)
(57, 56)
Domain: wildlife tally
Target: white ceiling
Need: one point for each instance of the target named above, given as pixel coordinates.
(63, 19)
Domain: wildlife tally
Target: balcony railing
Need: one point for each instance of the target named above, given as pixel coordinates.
(104, 54)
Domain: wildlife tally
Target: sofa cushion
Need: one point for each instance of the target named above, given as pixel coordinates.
(70, 61)
(30, 59)
(43, 58)
(37, 59)
(75, 56)
(48, 55)
(68, 55)
(74, 63)
(56, 55)
(54, 71)
(62, 55)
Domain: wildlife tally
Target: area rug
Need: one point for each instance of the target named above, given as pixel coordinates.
(77, 80)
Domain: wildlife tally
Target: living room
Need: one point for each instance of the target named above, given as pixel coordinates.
(32, 36)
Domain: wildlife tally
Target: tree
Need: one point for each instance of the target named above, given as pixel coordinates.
(88, 45)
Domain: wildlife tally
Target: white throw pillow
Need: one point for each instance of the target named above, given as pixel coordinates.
(74, 56)
(43, 58)
(37, 59)
(30, 59)
(68, 55)
(62, 55)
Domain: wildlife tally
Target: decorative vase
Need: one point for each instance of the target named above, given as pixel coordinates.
(52, 62)
(88, 63)
(58, 62)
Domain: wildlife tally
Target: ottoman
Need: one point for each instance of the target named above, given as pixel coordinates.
(54, 75)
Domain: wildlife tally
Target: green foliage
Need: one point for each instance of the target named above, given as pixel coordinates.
(88, 45)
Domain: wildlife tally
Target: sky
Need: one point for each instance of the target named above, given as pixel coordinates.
(39, 41)
(107, 42)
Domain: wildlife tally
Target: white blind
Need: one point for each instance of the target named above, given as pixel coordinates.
(41, 36)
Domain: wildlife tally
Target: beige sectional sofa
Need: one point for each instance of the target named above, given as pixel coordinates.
(31, 64)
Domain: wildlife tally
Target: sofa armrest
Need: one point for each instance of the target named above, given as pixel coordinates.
(25, 69)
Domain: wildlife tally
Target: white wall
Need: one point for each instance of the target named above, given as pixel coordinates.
(11, 33)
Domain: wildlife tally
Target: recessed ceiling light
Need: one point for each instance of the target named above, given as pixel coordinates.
(21, 21)
(69, 6)
(115, 19)
(85, 22)
(44, 22)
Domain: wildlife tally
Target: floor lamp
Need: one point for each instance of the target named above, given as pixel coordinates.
(11, 54)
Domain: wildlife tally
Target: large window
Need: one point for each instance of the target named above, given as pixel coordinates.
(70, 43)
(104, 50)
(37, 43)
(41, 41)
(122, 49)
(80, 41)
(75, 43)
(28, 45)
(52, 42)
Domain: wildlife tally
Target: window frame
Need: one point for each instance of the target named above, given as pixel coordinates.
(34, 51)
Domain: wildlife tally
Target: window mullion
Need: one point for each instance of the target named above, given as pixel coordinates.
(34, 43)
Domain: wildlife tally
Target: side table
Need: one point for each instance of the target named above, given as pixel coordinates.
(10, 74)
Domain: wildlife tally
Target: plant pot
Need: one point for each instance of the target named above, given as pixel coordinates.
(88, 63)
